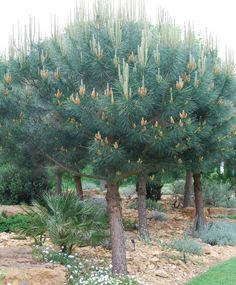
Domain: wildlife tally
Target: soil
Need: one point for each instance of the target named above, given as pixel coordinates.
(153, 263)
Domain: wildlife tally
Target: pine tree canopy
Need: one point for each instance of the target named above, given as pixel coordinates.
(121, 94)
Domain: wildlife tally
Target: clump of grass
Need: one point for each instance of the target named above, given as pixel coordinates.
(158, 216)
(186, 246)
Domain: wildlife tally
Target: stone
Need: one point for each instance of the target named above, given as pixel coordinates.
(161, 273)
(156, 252)
(20, 267)
(154, 259)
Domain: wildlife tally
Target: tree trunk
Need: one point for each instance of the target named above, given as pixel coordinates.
(142, 215)
(58, 186)
(234, 181)
(78, 185)
(116, 229)
(200, 219)
(187, 189)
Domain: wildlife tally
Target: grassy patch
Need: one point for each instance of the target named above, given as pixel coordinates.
(222, 274)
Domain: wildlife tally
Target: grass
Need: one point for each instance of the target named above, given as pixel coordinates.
(222, 274)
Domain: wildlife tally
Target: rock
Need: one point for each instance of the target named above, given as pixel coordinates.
(156, 252)
(20, 267)
(155, 259)
(33, 275)
(161, 273)
(151, 267)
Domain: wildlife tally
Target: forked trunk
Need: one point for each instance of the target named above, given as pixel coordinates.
(187, 189)
(116, 229)
(78, 185)
(142, 215)
(58, 186)
(199, 220)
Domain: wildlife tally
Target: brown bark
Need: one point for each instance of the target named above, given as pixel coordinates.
(187, 189)
(142, 215)
(58, 186)
(78, 185)
(199, 220)
(119, 265)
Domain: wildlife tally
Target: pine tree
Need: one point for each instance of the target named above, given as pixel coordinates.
(129, 98)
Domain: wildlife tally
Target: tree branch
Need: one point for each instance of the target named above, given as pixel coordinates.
(73, 172)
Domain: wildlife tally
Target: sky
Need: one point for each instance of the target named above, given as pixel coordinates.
(218, 17)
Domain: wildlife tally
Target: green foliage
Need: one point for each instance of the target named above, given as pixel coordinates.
(150, 205)
(20, 184)
(67, 220)
(223, 273)
(37, 228)
(82, 271)
(13, 223)
(130, 225)
(217, 194)
(153, 189)
(219, 233)
(186, 246)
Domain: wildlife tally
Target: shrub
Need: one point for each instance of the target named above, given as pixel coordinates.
(186, 246)
(12, 223)
(67, 220)
(127, 190)
(154, 190)
(20, 185)
(219, 233)
(150, 205)
(37, 227)
(216, 193)
(130, 225)
(158, 216)
(231, 202)
(178, 187)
